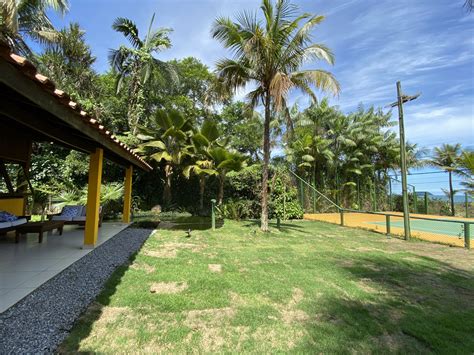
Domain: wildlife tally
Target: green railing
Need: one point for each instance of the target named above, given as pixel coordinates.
(314, 191)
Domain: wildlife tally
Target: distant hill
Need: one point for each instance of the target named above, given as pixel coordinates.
(459, 198)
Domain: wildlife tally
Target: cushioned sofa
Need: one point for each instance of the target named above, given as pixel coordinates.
(74, 215)
(9, 222)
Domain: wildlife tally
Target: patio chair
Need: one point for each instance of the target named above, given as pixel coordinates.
(9, 222)
(74, 215)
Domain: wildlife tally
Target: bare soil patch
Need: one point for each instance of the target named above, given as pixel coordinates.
(289, 312)
(143, 267)
(215, 267)
(164, 253)
(170, 250)
(168, 287)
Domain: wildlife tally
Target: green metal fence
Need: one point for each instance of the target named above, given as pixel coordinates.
(439, 229)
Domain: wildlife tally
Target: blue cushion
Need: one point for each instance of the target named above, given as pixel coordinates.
(7, 217)
(71, 211)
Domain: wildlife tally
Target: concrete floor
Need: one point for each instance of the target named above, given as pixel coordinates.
(28, 264)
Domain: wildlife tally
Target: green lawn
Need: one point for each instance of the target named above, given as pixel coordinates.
(311, 287)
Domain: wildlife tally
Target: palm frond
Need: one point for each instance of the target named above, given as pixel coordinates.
(129, 29)
(234, 73)
(321, 79)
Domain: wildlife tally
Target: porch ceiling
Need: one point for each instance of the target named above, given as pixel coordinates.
(35, 108)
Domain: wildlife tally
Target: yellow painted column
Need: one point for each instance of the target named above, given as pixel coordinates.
(127, 201)
(93, 198)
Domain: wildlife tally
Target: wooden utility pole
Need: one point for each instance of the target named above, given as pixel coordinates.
(401, 99)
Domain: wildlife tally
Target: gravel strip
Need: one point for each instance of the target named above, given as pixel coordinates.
(43, 319)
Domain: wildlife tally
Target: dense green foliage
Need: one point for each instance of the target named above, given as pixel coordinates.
(340, 154)
(216, 147)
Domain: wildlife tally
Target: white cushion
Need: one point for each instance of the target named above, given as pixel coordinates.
(61, 218)
(19, 221)
(79, 218)
(5, 225)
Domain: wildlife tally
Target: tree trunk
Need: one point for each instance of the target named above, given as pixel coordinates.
(167, 188)
(451, 192)
(220, 196)
(290, 129)
(136, 98)
(202, 186)
(266, 162)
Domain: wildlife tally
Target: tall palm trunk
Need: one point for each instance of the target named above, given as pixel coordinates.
(266, 162)
(202, 186)
(220, 195)
(167, 188)
(136, 97)
(451, 192)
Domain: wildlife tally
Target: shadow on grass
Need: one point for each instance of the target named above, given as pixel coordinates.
(409, 306)
(84, 324)
(190, 223)
(284, 226)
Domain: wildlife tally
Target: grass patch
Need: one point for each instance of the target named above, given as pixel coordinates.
(308, 287)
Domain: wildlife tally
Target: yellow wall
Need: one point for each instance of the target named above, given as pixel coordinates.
(13, 205)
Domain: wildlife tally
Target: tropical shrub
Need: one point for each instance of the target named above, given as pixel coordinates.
(239, 209)
(284, 202)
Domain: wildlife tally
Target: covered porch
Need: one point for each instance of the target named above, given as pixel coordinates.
(27, 265)
(32, 110)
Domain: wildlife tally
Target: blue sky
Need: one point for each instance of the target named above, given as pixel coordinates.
(428, 45)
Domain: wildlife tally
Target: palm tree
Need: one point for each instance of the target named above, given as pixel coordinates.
(225, 161)
(68, 62)
(270, 55)
(469, 5)
(466, 169)
(138, 64)
(203, 166)
(446, 158)
(28, 18)
(202, 169)
(168, 140)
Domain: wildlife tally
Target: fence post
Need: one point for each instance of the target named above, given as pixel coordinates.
(314, 201)
(358, 194)
(342, 216)
(374, 203)
(278, 222)
(302, 195)
(467, 235)
(426, 202)
(466, 203)
(390, 193)
(213, 214)
(415, 200)
(387, 223)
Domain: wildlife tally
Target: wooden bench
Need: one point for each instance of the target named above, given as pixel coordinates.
(40, 228)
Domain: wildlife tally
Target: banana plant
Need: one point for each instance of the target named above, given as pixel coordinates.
(225, 161)
(203, 167)
(168, 140)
